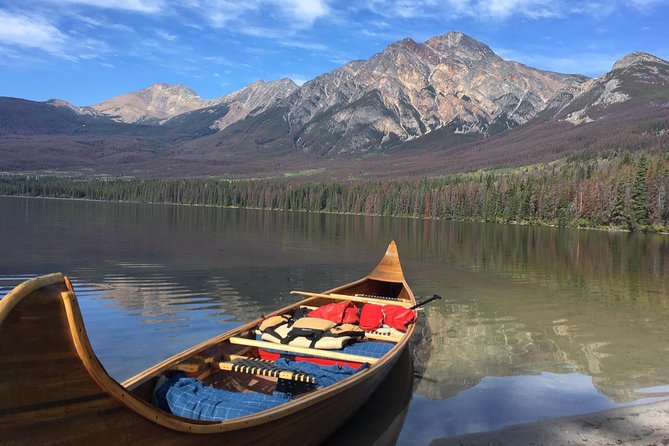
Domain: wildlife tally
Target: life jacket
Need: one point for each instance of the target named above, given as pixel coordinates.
(398, 317)
(309, 332)
(373, 316)
(339, 312)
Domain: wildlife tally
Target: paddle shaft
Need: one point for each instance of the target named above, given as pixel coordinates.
(420, 304)
(360, 299)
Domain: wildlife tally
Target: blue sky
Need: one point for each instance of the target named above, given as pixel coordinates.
(86, 51)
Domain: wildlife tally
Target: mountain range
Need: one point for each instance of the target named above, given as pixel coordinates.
(446, 105)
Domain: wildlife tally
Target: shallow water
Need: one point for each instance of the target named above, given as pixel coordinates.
(535, 322)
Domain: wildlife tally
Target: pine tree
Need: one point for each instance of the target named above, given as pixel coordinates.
(639, 195)
(618, 212)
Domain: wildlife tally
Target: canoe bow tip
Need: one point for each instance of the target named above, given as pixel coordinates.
(389, 268)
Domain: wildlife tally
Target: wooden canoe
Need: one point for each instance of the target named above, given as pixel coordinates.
(54, 390)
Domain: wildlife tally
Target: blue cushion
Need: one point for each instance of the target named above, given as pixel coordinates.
(190, 398)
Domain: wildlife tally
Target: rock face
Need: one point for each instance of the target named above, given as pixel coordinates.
(155, 104)
(253, 99)
(84, 111)
(161, 102)
(634, 73)
(410, 89)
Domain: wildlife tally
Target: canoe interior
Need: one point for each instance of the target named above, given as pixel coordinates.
(54, 390)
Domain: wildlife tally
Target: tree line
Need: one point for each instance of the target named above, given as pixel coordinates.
(624, 190)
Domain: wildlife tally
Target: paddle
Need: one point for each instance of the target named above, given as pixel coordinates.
(420, 304)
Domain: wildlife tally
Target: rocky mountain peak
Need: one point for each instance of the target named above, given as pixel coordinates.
(163, 88)
(252, 99)
(457, 43)
(637, 58)
(156, 103)
(410, 89)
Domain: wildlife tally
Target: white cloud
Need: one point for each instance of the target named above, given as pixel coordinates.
(590, 64)
(32, 32)
(305, 45)
(644, 4)
(143, 6)
(166, 36)
(304, 11)
(504, 9)
(294, 13)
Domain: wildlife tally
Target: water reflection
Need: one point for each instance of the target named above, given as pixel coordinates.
(497, 402)
(532, 304)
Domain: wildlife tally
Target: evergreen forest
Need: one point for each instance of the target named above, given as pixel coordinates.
(623, 190)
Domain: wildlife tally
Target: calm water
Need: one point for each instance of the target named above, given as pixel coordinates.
(535, 322)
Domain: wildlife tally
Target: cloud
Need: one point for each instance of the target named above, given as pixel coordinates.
(644, 5)
(142, 6)
(503, 9)
(306, 12)
(166, 36)
(32, 32)
(304, 45)
(295, 14)
(590, 64)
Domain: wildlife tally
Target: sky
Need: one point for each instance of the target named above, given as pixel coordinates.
(87, 51)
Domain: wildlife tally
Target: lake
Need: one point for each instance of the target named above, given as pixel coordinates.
(534, 323)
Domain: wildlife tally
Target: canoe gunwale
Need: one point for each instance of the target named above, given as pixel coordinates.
(11, 299)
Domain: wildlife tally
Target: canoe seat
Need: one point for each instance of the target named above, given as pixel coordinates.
(262, 367)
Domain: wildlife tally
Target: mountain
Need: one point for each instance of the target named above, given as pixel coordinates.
(154, 104)
(255, 98)
(447, 105)
(636, 79)
(410, 89)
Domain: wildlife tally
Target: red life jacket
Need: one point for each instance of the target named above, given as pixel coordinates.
(371, 317)
(339, 312)
(397, 316)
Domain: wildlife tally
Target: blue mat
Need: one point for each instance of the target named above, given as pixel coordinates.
(190, 398)
(374, 349)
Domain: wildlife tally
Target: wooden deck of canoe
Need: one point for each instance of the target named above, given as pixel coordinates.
(54, 390)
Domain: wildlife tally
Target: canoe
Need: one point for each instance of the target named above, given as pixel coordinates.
(54, 390)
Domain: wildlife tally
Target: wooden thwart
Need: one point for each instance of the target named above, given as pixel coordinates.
(254, 366)
(303, 350)
(369, 300)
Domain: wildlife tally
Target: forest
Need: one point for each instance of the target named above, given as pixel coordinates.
(620, 190)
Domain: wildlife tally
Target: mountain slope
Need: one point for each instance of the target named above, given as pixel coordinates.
(253, 99)
(638, 78)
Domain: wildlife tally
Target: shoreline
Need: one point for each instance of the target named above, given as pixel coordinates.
(513, 223)
(641, 425)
